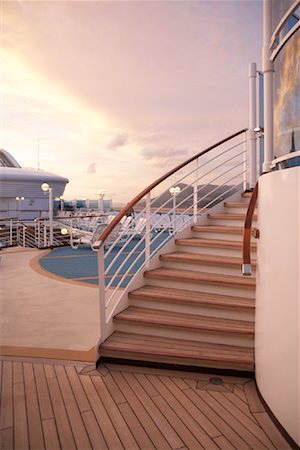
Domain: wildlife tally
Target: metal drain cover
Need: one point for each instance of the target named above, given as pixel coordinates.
(216, 380)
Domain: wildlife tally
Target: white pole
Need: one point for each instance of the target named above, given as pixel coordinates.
(11, 232)
(268, 70)
(195, 197)
(148, 231)
(174, 211)
(102, 301)
(50, 217)
(252, 125)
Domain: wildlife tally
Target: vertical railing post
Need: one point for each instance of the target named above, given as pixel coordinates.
(45, 233)
(101, 278)
(24, 236)
(71, 234)
(268, 69)
(148, 230)
(11, 232)
(195, 196)
(50, 217)
(245, 175)
(252, 125)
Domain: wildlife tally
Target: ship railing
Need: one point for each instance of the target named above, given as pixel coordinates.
(177, 199)
(8, 232)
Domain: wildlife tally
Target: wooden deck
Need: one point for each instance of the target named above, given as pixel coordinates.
(57, 404)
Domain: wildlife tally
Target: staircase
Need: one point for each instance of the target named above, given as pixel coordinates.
(196, 309)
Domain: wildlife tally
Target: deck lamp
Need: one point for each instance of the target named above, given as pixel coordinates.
(174, 191)
(19, 199)
(64, 231)
(48, 190)
(101, 194)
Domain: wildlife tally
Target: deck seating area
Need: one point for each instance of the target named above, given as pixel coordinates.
(62, 404)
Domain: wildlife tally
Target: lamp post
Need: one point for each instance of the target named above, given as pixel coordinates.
(101, 194)
(48, 190)
(174, 191)
(19, 199)
(61, 203)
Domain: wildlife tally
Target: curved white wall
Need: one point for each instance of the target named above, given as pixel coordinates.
(277, 335)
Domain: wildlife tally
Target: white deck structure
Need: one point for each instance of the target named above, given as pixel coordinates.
(16, 181)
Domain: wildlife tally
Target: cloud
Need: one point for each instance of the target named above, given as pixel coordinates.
(119, 140)
(163, 154)
(91, 168)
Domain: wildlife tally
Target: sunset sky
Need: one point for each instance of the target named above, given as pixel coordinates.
(115, 93)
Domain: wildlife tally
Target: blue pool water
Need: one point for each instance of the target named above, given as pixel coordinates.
(81, 264)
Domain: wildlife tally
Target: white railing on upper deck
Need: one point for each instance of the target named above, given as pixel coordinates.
(125, 248)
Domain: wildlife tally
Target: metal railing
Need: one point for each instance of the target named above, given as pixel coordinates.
(125, 248)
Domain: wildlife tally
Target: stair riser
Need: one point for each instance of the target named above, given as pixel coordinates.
(177, 361)
(229, 222)
(202, 287)
(236, 209)
(217, 235)
(203, 310)
(204, 250)
(204, 267)
(185, 334)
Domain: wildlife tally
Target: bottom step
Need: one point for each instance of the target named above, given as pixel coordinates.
(174, 351)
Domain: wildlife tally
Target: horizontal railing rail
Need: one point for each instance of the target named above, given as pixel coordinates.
(159, 212)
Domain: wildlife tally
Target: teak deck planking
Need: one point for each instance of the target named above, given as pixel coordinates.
(57, 405)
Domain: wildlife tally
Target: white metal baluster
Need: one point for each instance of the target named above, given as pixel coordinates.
(148, 231)
(102, 306)
(245, 184)
(195, 198)
(24, 236)
(45, 234)
(11, 232)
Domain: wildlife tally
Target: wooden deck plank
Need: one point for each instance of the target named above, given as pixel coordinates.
(231, 420)
(270, 429)
(63, 426)
(79, 432)
(6, 412)
(136, 405)
(158, 418)
(121, 427)
(114, 389)
(50, 434)
(239, 404)
(218, 420)
(223, 443)
(93, 430)
(252, 397)
(49, 371)
(146, 385)
(133, 423)
(129, 407)
(180, 383)
(239, 392)
(104, 422)
(18, 372)
(202, 420)
(179, 425)
(7, 439)
(35, 430)
(20, 419)
(43, 393)
(195, 424)
(80, 396)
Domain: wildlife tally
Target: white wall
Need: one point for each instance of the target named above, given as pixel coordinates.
(277, 333)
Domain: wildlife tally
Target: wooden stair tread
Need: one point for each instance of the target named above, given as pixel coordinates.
(198, 277)
(247, 194)
(216, 243)
(197, 258)
(218, 229)
(156, 346)
(163, 318)
(163, 294)
(235, 216)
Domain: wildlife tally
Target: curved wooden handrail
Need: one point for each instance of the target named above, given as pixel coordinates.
(106, 232)
(246, 267)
